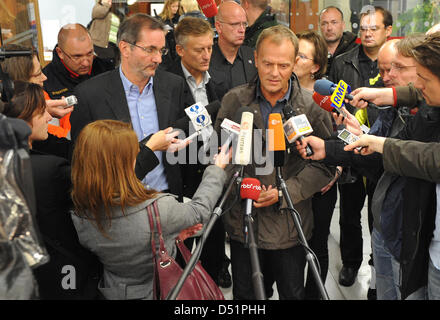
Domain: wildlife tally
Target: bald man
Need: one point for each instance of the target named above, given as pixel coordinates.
(232, 63)
(73, 61)
(385, 57)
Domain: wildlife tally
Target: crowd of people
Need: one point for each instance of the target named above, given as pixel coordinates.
(98, 164)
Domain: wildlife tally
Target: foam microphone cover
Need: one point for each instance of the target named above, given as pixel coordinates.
(324, 87)
(250, 189)
(323, 101)
(209, 7)
(276, 143)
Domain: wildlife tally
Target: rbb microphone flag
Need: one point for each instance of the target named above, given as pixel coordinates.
(250, 189)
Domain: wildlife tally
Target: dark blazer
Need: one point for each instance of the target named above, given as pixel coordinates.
(52, 184)
(218, 73)
(192, 173)
(103, 97)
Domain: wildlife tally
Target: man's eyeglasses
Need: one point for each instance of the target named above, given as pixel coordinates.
(80, 58)
(236, 25)
(373, 29)
(151, 50)
(399, 67)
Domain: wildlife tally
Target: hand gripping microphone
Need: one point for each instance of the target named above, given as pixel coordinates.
(244, 144)
(209, 7)
(296, 127)
(276, 142)
(326, 88)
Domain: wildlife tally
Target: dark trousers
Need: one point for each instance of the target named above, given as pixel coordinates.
(351, 202)
(286, 266)
(323, 207)
(213, 253)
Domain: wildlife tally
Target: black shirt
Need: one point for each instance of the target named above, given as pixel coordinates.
(369, 70)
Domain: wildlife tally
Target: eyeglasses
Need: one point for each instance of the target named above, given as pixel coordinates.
(304, 57)
(151, 50)
(373, 29)
(236, 25)
(399, 67)
(80, 58)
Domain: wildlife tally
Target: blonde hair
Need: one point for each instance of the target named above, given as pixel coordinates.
(166, 12)
(103, 171)
(277, 34)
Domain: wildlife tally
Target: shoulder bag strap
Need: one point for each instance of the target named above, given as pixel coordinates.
(153, 248)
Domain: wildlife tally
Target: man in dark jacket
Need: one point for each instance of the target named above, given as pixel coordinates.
(276, 236)
(358, 68)
(259, 17)
(232, 63)
(332, 25)
(73, 62)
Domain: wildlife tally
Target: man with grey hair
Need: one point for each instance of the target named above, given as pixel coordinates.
(138, 93)
(282, 257)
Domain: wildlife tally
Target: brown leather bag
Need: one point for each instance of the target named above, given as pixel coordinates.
(198, 285)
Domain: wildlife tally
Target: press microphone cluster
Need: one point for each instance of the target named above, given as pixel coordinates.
(327, 88)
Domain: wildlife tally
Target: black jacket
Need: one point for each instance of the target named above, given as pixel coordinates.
(52, 184)
(265, 20)
(61, 82)
(347, 43)
(103, 97)
(192, 173)
(219, 75)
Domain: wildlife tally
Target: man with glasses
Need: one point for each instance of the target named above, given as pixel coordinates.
(358, 68)
(259, 17)
(232, 63)
(136, 92)
(73, 62)
(331, 21)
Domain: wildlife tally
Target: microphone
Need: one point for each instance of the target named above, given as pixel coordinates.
(326, 88)
(296, 127)
(4, 54)
(201, 120)
(325, 103)
(209, 7)
(250, 190)
(277, 144)
(244, 144)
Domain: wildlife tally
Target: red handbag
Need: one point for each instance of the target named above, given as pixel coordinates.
(167, 272)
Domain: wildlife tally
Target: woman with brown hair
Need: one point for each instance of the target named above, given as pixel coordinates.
(51, 177)
(311, 63)
(111, 216)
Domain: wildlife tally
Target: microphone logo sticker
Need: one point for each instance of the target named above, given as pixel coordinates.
(202, 120)
(195, 109)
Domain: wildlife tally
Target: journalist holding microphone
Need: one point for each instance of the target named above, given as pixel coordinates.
(281, 256)
(418, 243)
(111, 216)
